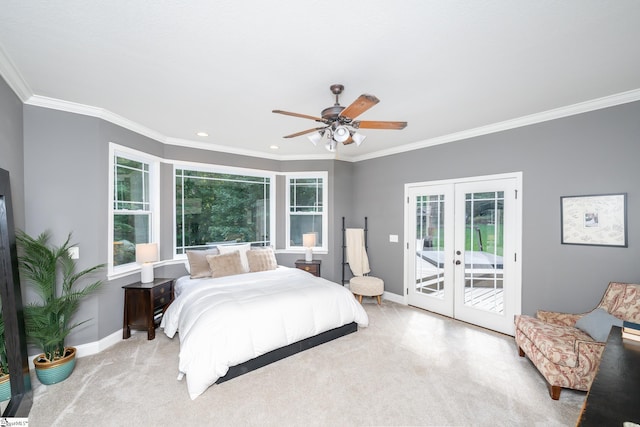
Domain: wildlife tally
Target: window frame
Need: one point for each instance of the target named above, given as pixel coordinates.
(222, 169)
(324, 175)
(154, 204)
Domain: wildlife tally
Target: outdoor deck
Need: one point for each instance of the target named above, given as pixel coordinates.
(485, 293)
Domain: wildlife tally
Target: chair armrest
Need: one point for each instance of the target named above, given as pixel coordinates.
(556, 318)
(591, 350)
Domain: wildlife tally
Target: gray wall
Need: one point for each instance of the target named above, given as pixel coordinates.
(65, 183)
(11, 154)
(67, 158)
(590, 153)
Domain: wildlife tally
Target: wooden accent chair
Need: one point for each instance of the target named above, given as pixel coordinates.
(567, 356)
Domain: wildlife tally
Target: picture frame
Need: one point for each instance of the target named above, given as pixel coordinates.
(595, 220)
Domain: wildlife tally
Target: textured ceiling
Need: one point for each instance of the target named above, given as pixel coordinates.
(172, 68)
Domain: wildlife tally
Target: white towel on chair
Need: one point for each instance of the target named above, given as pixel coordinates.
(356, 252)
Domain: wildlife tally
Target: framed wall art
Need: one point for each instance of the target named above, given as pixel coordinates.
(599, 219)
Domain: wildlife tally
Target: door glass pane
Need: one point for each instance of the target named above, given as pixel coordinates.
(430, 245)
(484, 237)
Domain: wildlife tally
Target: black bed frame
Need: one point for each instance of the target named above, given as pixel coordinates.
(289, 350)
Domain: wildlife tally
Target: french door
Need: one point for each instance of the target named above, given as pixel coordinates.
(462, 249)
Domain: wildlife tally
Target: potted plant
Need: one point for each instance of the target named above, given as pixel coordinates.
(51, 272)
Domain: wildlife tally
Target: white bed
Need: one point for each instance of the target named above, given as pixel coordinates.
(226, 321)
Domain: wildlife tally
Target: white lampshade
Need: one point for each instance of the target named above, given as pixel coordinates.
(308, 241)
(358, 138)
(341, 134)
(146, 254)
(315, 138)
(331, 145)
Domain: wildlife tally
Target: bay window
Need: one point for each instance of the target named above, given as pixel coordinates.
(216, 205)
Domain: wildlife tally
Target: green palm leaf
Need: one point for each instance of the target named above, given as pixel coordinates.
(52, 273)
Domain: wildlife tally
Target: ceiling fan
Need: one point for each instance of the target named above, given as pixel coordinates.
(339, 123)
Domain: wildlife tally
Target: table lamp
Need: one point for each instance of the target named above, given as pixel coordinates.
(308, 241)
(146, 255)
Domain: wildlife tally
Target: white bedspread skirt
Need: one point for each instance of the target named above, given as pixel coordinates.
(226, 321)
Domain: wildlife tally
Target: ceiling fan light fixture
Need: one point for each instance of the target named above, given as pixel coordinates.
(331, 145)
(315, 137)
(358, 138)
(341, 134)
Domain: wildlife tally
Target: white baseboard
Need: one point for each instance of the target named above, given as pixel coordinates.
(398, 299)
(91, 348)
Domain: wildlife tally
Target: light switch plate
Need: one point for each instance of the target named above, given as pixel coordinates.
(393, 238)
(74, 252)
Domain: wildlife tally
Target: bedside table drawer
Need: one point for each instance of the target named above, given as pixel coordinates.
(144, 305)
(312, 267)
(162, 294)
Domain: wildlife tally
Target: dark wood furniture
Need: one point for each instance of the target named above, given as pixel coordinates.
(614, 396)
(12, 309)
(312, 266)
(144, 305)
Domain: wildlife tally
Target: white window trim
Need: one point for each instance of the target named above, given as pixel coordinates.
(325, 210)
(213, 168)
(114, 272)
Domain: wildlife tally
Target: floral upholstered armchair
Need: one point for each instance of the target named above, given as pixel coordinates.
(566, 348)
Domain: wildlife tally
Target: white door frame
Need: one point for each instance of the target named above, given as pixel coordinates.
(515, 296)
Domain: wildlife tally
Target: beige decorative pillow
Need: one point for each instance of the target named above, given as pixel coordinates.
(198, 264)
(262, 259)
(243, 248)
(225, 264)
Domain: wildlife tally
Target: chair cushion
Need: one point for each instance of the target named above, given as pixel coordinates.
(598, 324)
(367, 286)
(556, 342)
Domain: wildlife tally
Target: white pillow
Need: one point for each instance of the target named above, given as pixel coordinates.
(243, 248)
(262, 259)
(225, 264)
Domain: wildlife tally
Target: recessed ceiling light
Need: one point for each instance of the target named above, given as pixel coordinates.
(202, 134)
(274, 147)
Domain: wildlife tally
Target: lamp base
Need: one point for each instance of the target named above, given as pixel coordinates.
(308, 255)
(146, 273)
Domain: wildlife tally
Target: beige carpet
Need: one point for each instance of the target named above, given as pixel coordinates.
(410, 367)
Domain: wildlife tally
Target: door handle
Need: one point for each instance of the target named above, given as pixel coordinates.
(457, 262)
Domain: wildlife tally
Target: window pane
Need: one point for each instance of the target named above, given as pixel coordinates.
(213, 207)
(131, 208)
(301, 224)
(131, 187)
(306, 209)
(128, 230)
(305, 195)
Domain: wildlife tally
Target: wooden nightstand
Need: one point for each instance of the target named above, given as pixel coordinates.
(144, 305)
(312, 267)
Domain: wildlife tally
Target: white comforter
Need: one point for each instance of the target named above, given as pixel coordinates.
(226, 321)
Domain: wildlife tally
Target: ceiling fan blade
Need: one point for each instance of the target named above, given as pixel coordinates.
(302, 116)
(368, 124)
(359, 106)
(304, 132)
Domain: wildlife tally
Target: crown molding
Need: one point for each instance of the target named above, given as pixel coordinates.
(12, 76)
(570, 110)
(556, 113)
(18, 84)
(101, 113)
